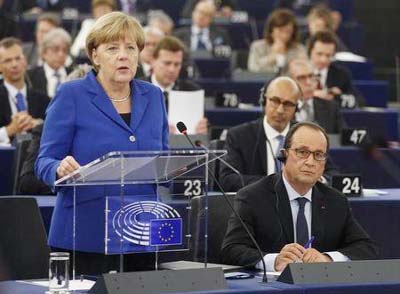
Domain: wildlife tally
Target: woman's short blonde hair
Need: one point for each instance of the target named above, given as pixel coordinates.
(114, 26)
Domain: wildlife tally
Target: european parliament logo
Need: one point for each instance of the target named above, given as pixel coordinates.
(166, 232)
(134, 222)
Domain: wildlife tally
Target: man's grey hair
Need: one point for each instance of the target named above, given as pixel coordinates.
(159, 15)
(55, 36)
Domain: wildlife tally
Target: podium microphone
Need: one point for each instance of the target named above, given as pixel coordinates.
(182, 129)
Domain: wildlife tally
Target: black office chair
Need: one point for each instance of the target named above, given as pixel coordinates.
(23, 240)
(21, 143)
(218, 215)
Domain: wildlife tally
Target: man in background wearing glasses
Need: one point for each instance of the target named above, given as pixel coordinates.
(293, 216)
(252, 147)
(324, 112)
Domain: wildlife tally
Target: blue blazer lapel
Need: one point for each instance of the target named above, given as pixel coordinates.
(139, 104)
(102, 102)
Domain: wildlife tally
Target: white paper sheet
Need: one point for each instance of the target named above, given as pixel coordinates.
(186, 106)
(73, 284)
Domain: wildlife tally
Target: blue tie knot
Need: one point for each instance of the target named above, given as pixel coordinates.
(302, 202)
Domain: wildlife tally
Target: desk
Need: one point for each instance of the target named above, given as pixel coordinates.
(249, 286)
(382, 173)
(376, 93)
(373, 213)
(380, 123)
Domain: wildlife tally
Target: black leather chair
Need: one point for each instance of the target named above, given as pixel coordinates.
(24, 253)
(218, 215)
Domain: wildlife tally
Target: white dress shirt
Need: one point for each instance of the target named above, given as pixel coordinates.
(294, 206)
(323, 74)
(271, 134)
(163, 89)
(52, 80)
(205, 38)
(302, 115)
(12, 100)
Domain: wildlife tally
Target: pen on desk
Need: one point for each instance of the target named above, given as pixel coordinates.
(309, 243)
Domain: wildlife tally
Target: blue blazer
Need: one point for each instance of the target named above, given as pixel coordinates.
(82, 122)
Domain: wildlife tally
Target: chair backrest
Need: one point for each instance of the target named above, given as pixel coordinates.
(22, 143)
(23, 240)
(218, 215)
(7, 157)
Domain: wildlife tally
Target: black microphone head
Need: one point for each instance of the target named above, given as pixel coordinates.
(181, 127)
(198, 143)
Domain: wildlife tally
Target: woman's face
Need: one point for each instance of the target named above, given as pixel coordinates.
(117, 60)
(283, 33)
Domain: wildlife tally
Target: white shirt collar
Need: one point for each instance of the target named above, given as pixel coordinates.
(196, 30)
(271, 133)
(13, 91)
(156, 83)
(49, 72)
(309, 101)
(292, 193)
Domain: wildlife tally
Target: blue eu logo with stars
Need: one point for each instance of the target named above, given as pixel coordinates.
(166, 231)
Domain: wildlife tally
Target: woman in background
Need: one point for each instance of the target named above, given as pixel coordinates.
(279, 44)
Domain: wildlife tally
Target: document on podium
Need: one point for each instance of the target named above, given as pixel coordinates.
(186, 106)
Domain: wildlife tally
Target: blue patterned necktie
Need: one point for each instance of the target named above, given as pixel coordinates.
(278, 163)
(301, 223)
(200, 43)
(58, 80)
(21, 106)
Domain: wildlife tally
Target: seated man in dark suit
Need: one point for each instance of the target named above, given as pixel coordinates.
(288, 210)
(252, 147)
(54, 51)
(334, 81)
(167, 63)
(201, 36)
(324, 112)
(21, 108)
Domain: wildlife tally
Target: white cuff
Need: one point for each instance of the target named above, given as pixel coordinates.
(269, 260)
(337, 256)
(4, 139)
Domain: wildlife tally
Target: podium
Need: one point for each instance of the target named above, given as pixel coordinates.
(137, 202)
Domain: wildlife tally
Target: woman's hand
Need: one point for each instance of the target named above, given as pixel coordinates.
(67, 166)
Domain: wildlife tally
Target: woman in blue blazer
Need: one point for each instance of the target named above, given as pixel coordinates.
(106, 111)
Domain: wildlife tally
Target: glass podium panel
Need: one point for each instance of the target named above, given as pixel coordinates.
(126, 203)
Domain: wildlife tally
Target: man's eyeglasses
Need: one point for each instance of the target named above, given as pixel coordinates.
(303, 78)
(304, 153)
(276, 102)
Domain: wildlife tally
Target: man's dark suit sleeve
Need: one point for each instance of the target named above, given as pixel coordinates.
(28, 182)
(237, 247)
(229, 179)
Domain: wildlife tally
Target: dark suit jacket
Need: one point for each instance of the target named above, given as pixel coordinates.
(265, 208)
(28, 182)
(327, 115)
(37, 104)
(341, 78)
(246, 151)
(218, 36)
(8, 26)
(37, 78)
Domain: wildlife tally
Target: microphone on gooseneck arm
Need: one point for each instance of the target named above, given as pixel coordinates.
(182, 129)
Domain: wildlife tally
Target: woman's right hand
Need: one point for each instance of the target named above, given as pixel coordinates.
(67, 166)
